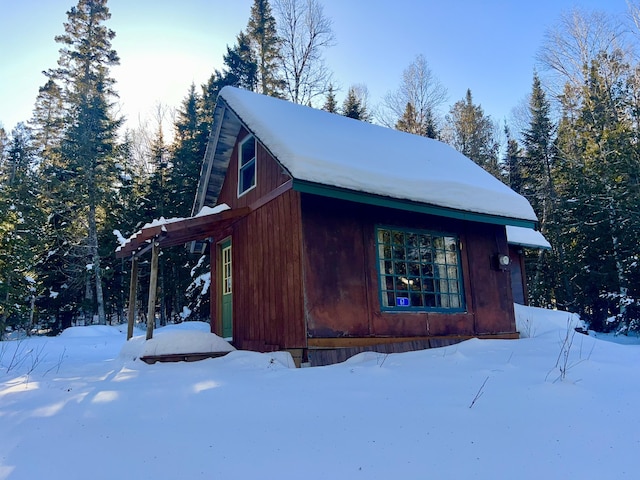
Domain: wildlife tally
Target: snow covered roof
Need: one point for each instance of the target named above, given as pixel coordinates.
(526, 237)
(321, 148)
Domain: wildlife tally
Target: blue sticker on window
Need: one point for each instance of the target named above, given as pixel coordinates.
(402, 302)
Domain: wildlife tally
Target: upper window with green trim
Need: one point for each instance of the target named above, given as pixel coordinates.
(246, 165)
(419, 270)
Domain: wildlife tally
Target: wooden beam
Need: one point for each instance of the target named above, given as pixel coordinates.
(346, 342)
(153, 282)
(181, 231)
(133, 288)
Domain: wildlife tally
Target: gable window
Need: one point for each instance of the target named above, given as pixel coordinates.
(246, 165)
(419, 270)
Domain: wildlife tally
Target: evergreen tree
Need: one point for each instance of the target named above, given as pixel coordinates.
(187, 153)
(19, 230)
(538, 186)
(411, 123)
(513, 162)
(85, 168)
(241, 67)
(263, 37)
(598, 176)
(48, 118)
(472, 133)
(330, 104)
(354, 105)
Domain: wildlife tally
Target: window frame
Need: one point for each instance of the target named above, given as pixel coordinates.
(252, 163)
(436, 266)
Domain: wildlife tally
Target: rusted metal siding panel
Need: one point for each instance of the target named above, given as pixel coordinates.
(267, 306)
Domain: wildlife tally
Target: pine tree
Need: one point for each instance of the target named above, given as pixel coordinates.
(263, 38)
(513, 162)
(86, 167)
(598, 181)
(330, 104)
(472, 133)
(241, 67)
(48, 118)
(411, 123)
(19, 230)
(187, 153)
(538, 186)
(354, 105)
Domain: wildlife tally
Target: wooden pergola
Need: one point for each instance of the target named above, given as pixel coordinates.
(164, 234)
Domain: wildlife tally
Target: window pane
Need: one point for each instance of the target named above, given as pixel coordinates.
(247, 177)
(248, 151)
(388, 282)
(414, 269)
(415, 299)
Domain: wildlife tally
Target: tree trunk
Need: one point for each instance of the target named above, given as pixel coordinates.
(95, 259)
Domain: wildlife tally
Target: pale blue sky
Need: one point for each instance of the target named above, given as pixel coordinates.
(165, 45)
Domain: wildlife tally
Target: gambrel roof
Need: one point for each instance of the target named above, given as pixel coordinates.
(336, 156)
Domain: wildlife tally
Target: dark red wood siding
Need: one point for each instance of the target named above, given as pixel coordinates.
(268, 311)
(341, 278)
(269, 176)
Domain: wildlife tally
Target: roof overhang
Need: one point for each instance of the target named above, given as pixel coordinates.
(527, 237)
(179, 232)
(408, 205)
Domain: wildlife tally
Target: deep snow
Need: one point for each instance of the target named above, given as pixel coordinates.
(78, 408)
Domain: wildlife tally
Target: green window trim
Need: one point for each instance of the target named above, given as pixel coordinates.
(419, 270)
(247, 171)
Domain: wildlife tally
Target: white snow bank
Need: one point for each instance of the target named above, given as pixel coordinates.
(91, 331)
(174, 339)
(533, 322)
(255, 360)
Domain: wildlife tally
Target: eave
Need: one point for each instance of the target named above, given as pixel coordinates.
(407, 205)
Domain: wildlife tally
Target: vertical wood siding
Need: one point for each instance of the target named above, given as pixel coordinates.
(267, 268)
(341, 277)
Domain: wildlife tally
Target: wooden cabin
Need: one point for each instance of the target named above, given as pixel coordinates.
(333, 236)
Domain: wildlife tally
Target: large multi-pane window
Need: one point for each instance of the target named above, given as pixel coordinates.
(419, 270)
(246, 165)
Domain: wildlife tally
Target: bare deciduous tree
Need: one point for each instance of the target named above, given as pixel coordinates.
(575, 42)
(305, 32)
(421, 89)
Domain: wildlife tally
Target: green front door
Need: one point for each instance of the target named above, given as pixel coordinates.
(226, 290)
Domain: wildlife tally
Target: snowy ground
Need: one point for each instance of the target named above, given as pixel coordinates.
(78, 408)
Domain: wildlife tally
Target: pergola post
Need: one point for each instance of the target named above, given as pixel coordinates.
(153, 282)
(133, 288)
